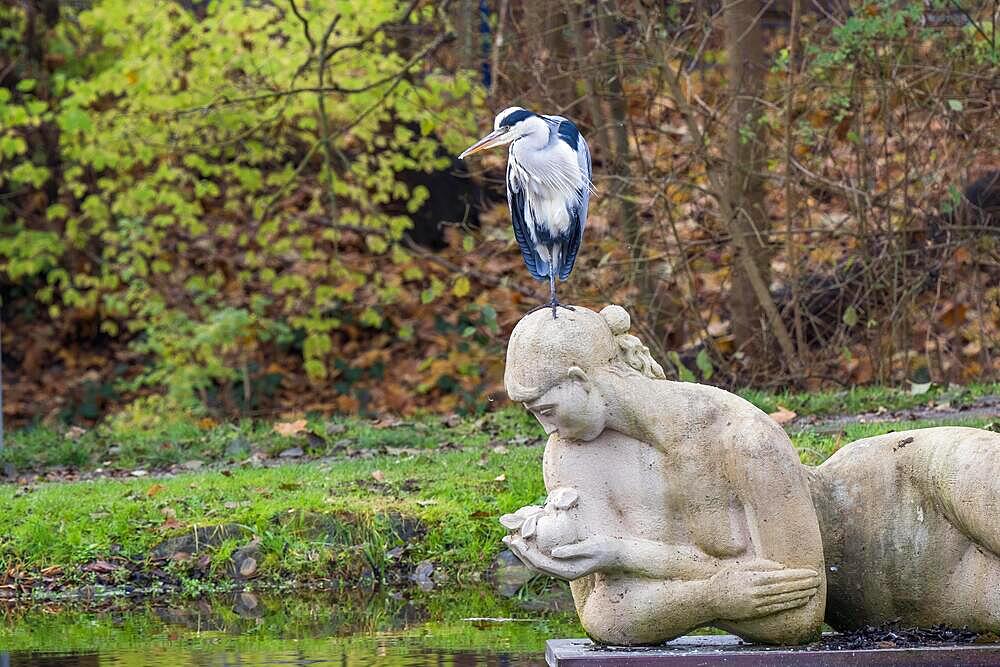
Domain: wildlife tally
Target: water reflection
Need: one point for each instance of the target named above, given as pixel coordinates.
(248, 629)
(179, 658)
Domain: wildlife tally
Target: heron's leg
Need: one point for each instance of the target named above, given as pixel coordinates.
(553, 301)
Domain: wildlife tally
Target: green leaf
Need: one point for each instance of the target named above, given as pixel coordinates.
(376, 243)
(683, 373)
(850, 316)
(74, 119)
(704, 363)
(955, 105)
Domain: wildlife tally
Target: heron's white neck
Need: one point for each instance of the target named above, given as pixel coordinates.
(534, 136)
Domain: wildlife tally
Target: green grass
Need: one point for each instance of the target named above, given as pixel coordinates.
(857, 400)
(814, 447)
(315, 521)
(133, 440)
(328, 518)
(121, 444)
(455, 494)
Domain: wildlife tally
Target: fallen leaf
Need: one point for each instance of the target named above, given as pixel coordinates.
(783, 415)
(378, 476)
(153, 490)
(171, 524)
(500, 478)
(248, 567)
(75, 432)
(290, 429)
(100, 566)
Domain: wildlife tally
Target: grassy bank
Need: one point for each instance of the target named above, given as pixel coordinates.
(349, 500)
(156, 436)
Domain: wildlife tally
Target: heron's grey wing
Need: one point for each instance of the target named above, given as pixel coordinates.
(518, 203)
(578, 209)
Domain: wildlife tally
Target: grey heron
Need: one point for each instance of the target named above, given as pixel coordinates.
(548, 189)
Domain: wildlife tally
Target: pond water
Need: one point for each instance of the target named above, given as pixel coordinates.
(248, 629)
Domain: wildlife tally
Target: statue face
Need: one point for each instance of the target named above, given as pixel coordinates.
(573, 408)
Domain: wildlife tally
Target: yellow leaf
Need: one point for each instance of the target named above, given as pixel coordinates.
(783, 415)
(461, 287)
(290, 429)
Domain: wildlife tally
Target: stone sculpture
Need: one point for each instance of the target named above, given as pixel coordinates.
(697, 508)
(676, 505)
(911, 529)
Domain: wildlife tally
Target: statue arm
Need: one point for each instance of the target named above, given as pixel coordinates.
(771, 485)
(652, 612)
(773, 489)
(755, 597)
(645, 558)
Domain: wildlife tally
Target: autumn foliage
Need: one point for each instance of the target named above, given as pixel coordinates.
(218, 204)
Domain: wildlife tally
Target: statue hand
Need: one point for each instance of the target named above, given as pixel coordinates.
(760, 588)
(568, 562)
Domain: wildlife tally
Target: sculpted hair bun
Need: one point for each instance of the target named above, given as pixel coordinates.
(631, 351)
(618, 319)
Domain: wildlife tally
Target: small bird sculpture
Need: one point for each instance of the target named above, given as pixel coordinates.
(548, 189)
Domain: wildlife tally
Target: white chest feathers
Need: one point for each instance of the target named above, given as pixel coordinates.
(551, 180)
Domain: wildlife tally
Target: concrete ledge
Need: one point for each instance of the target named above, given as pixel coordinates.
(708, 650)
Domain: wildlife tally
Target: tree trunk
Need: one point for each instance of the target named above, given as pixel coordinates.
(745, 164)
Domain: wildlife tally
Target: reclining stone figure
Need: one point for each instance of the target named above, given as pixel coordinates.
(691, 506)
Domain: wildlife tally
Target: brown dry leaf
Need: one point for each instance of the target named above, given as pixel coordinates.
(153, 490)
(100, 567)
(290, 429)
(378, 476)
(783, 415)
(171, 524)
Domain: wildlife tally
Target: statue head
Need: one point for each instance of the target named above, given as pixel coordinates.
(556, 366)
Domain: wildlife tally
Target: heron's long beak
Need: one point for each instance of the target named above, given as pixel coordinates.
(494, 138)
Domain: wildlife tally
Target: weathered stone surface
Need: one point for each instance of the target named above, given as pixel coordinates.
(911, 529)
(195, 541)
(244, 563)
(509, 574)
(690, 506)
(422, 575)
(676, 505)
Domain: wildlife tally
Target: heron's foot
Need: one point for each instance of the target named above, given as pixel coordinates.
(553, 305)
